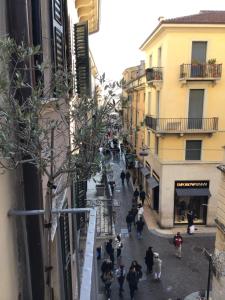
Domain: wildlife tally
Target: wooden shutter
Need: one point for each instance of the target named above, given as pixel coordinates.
(82, 59)
(58, 34)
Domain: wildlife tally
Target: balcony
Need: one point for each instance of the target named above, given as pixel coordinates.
(200, 72)
(154, 76)
(182, 125)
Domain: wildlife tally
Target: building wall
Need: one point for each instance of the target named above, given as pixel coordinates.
(170, 163)
(218, 284)
(9, 276)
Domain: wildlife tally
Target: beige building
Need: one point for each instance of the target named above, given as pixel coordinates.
(185, 116)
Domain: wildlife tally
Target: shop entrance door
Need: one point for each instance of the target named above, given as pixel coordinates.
(156, 198)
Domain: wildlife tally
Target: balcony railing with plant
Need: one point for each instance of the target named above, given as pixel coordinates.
(154, 74)
(182, 124)
(210, 70)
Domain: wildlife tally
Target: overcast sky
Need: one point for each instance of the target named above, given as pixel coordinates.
(125, 24)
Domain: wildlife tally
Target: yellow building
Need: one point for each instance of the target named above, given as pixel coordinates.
(134, 110)
(185, 116)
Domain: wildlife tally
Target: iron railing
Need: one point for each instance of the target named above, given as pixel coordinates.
(206, 71)
(153, 74)
(182, 124)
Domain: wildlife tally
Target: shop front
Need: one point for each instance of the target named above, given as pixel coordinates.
(153, 185)
(191, 195)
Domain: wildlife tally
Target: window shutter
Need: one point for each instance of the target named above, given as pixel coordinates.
(82, 59)
(58, 34)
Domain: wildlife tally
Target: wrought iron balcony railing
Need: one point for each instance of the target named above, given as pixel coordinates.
(182, 125)
(154, 74)
(201, 71)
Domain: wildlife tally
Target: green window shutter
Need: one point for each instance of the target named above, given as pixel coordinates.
(58, 34)
(82, 59)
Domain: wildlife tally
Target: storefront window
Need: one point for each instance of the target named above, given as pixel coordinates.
(196, 203)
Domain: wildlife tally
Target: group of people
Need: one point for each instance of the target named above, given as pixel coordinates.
(131, 219)
(125, 175)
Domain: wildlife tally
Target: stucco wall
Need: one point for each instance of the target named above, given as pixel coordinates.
(8, 242)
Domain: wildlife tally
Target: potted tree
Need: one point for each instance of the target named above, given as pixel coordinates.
(212, 68)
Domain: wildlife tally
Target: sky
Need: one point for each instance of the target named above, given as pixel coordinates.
(125, 24)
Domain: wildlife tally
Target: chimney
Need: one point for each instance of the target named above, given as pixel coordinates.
(161, 18)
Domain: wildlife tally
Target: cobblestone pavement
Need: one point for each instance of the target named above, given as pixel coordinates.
(179, 277)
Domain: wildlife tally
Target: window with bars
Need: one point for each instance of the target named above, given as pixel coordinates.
(193, 150)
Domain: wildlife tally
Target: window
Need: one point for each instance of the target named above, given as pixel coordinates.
(159, 56)
(148, 138)
(150, 61)
(193, 150)
(156, 145)
(149, 103)
(195, 111)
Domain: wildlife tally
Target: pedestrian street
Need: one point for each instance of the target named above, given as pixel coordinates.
(180, 277)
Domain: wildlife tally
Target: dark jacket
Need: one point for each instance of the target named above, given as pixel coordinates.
(142, 194)
(129, 218)
(127, 175)
(149, 257)
(109, 248)
(122, 175)
(136, 193)
(140, 225)
(132, 278)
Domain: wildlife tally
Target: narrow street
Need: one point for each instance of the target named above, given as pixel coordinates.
(179, 277)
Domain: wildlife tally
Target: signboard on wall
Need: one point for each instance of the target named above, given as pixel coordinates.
(192, 184)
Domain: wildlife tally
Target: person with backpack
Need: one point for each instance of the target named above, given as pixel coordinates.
(178, 241)
(122, 176)
(120, 275)
(107, 278)
(129, 220)
(140, 225)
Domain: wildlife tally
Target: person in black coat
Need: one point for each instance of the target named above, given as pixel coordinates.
(128, 177)
(140, 225)
(149, 259)
(122, 176)
(142, 196)
(132, 278)
(136, 195)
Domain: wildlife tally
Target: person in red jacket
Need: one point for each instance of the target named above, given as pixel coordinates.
(178, 241)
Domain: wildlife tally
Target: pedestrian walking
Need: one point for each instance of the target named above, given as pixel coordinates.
(122, 176)
(132, 278)
(157, 266)
(140, 212)
(178, 241)
(110, 250)
(127, 176)
(142, 197)
(129, 220)
(120, 275)
(136, 194)
(149, 261)
(138, 269)
(107, 278)
(119, 246)
(140, 225)
(106, 266)
(134, 211)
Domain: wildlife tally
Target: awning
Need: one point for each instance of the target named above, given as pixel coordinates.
(193, 192)
(152, 182)
(145, 171)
